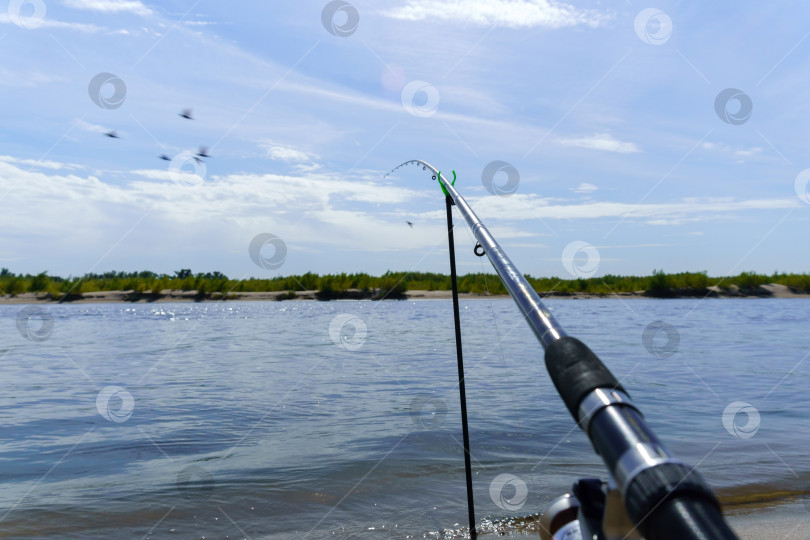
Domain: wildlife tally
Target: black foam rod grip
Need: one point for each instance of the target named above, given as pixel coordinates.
(576, 371)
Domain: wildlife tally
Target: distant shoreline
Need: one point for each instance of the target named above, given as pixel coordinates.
(763, 291)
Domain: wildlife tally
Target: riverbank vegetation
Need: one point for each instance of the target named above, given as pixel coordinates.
(389, 285)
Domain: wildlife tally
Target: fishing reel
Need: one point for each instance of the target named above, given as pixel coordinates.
(594, 511)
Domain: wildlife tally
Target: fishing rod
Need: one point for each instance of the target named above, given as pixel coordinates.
(663, 497)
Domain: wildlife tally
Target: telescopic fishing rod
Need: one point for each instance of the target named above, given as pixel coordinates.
(664, 498)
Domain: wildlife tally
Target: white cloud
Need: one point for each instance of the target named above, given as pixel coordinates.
(110, 6)
(284, 153)
(82, 214)
(509, 13)
(51, 23)
(585, 187)
(662, 222)
(231, 198)
(303, 168)
(602, 141)
(92, 128)
(740, 153)
(155, 174)
(53, 165)
(367, 101)
(532, 207)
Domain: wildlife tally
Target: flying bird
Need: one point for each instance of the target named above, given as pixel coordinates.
(409, 224)
(186, 114)
(203, 152)
(112, 135)
(164, 157)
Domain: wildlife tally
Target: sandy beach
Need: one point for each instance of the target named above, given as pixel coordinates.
(192, 296)
(771, 524)
(787, 521)
(765, 291)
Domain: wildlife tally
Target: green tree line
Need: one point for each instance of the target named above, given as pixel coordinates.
(392, 284)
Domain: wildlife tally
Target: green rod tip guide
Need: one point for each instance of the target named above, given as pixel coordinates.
(453, 183)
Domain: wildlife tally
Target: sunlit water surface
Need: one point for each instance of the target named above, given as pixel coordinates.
(245, 419)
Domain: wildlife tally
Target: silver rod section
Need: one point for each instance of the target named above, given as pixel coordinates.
(665, 498)
(545, 327)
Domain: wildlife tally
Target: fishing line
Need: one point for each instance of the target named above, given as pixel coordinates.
(449, 203)
(465, 432)
(456, 319)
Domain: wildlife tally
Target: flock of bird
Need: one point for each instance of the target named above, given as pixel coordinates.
(185, 113)
(201, 153)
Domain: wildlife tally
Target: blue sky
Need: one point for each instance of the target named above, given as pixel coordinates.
(606, 110)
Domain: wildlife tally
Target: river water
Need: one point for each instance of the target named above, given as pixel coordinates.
(305, 419)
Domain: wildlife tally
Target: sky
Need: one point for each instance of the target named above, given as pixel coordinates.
(591, 138)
